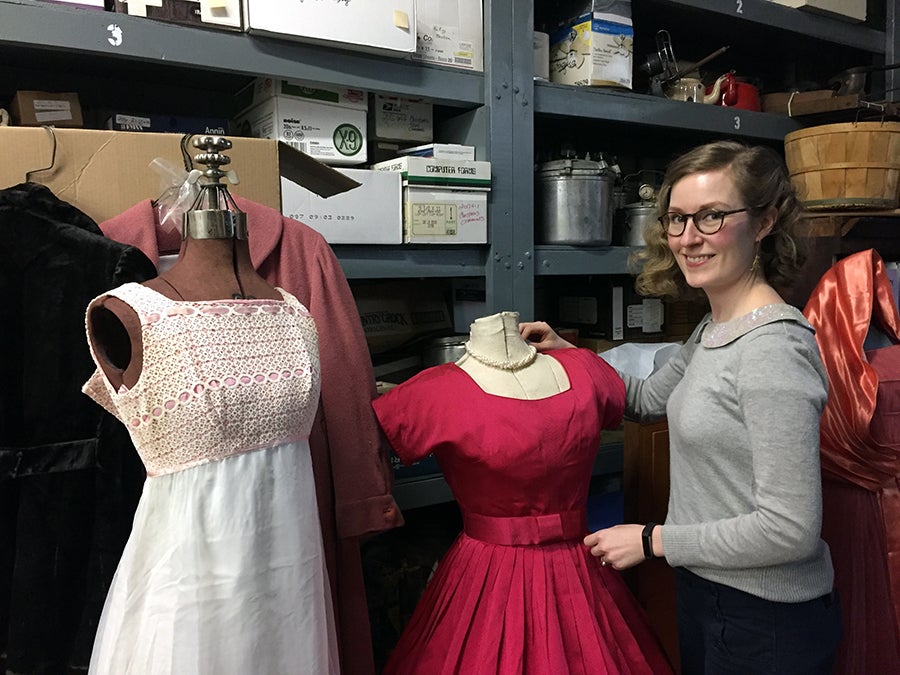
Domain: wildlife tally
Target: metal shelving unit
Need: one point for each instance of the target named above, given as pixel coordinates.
(499, 111)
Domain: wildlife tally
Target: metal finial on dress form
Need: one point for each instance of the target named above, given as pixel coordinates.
(214, 213)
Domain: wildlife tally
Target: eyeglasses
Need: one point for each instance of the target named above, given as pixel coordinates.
(707, 221)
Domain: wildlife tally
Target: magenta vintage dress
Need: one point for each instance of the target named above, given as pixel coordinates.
(224, 572)
(518, 593)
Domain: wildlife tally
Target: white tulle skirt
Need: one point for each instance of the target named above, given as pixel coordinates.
(223, 574)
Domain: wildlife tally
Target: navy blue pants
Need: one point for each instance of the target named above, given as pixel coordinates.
(724, 631)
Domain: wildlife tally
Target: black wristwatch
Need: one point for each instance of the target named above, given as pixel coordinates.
(647, 541)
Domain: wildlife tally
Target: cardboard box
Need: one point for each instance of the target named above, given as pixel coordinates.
(38, 108)
(394, 312)
(263, 88)
(331, 134)
(103, 173)
(450, 33)
(382, 26)
(395, 118)
(369, 214)
(441, 151)
(593, 50)
(167, 124)
(458, 173)
(209, 13)
(848, 10)
(443, 215)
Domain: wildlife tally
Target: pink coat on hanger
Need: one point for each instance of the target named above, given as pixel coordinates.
(352, 471)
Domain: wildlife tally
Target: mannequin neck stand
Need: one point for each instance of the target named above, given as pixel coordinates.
(503, 364)
(213, 269)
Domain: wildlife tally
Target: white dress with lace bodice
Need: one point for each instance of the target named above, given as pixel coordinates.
(224, 571)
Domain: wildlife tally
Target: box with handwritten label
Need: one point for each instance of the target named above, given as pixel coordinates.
(445, 201)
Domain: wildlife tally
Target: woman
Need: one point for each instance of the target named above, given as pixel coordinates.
(743, 399)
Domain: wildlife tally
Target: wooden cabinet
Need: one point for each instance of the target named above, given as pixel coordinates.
(645, 483)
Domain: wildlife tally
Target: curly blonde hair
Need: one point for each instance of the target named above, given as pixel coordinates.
(762, 180)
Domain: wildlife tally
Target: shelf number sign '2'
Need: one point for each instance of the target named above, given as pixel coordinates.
(347, 139)
(739, 7)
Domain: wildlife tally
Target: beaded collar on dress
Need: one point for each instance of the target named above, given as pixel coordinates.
(716, 334)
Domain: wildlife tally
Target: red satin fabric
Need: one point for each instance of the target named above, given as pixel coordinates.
(860, 435)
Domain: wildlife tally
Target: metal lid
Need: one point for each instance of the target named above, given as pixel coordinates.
(573, 167)
(641, 206)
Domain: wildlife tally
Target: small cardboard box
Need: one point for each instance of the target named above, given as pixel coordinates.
(209, 13)
(457, 173)
(39, 108)
(104, 173)
(383, 26)
(395, 118)
(450, 33)
(368, 214)
(593, 50)
(848, 10)
(443, 215)
(263, 88)
(331, 134)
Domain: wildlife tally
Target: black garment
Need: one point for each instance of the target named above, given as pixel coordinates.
(69, 475)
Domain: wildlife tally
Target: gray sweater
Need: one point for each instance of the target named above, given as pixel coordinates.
(743, 400)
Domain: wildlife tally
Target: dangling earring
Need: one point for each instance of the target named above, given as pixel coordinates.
(755, 267)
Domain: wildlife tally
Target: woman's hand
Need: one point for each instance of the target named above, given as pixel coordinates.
(542, 336)
(619, 546)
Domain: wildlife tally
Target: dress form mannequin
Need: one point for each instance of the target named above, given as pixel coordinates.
(503, 364)
(213, 264)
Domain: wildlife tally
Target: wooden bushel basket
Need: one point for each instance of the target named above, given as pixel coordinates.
(855, 165)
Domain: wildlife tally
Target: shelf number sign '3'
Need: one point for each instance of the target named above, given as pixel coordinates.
(115, 35)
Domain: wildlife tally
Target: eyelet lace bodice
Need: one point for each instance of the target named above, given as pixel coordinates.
(218, 377)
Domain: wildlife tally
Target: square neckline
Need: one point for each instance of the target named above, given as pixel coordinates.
(281, 291)
(512, 398)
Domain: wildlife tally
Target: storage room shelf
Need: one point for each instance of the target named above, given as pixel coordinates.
(630, 108)
(768, 13)
(41, 27)
(412, 493)
(403, 262)
(577, 260)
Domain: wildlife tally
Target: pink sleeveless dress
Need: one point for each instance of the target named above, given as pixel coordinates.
(224, 571)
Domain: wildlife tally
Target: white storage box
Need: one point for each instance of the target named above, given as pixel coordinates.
(264, 88)
(401, 119)
(594, 50)
(329, 133)
(457, 173)
(853, 10)
(440, 151)
(443, 215)
(383, 26)
(369, 214)
(450, 33)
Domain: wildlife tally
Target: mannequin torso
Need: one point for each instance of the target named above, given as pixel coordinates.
(503, 364)
(206, 269)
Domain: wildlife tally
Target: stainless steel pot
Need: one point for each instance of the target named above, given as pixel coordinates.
(575, 203)
(443, 350)
(638, 216)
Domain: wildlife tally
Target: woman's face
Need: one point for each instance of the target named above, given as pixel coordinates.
(714, 262)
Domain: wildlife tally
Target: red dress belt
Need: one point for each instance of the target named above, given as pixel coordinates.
(527, 530)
